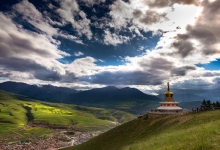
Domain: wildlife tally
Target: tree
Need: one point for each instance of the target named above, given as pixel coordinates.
(217, 104)
(208, 104)
(204, 104)
(214, 104)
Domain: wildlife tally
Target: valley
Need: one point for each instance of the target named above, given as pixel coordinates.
(28, 123)
(25, 119)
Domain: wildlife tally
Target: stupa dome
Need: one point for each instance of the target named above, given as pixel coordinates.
(168, 95)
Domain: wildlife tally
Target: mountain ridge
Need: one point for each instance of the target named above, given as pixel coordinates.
(125, 99)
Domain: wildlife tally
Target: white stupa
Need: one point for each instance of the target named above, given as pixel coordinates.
(169, 104)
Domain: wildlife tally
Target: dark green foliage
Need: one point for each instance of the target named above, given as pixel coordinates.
(208, 104)
(29, 114)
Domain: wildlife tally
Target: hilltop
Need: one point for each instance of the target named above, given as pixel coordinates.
(190, 131)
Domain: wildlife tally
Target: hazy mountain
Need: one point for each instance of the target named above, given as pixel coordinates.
(44, 92)
(110, 94)
(126, 99)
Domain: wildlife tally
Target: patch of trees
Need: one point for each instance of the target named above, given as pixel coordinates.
(208, 105)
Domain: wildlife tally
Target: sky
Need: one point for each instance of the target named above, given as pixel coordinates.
(86, 44)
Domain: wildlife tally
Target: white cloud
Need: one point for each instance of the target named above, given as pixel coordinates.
(101, 60)
(34, 17)
(139, 15)
(25, 51)
(77, 54)
(122, 11)
(114, 39)
(83, 66)
(68, 10)
(43, 22)
(70, 37)
(92, 2)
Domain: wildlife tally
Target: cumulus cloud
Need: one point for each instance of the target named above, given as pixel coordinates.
(134, 17)
(150, 17)
(166, 3)
(206, 32)
(26, 51)
(34, 17)
(34, 56)
(92, 2)
(130, 14)
(69, 12)
(42, 23)
(83, 66)
(114, 39)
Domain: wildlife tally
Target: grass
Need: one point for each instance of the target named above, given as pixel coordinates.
(194, 131)
(17, 110)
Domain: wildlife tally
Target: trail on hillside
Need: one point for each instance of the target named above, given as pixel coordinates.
(29, 115)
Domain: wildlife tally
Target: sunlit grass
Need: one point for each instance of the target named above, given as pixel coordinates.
(13, 114)
(204, 136)
(194, 131)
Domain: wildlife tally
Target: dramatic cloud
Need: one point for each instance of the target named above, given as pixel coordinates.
(94, 43)
(205, 32)
(166, 3)
(69, 12)
(150, 17)
(34, 17)
(129, 14)
(23, 50)
(124, 78)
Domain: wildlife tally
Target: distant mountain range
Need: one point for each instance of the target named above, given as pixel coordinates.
(45, 92)
(126, 99)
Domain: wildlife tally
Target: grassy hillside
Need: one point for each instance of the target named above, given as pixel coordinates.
(194, 131)
(16, 111)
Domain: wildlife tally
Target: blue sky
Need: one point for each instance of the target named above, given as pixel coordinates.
(214, 65)
(87, 44)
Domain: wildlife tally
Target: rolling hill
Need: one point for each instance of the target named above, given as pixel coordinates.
(196, 131)
(125, 99)
(16, 111)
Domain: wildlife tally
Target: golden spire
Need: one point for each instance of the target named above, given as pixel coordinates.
(168, 86)
(168, 95)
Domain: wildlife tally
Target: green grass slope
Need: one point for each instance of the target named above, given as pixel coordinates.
(194, 131)
(16, 111)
